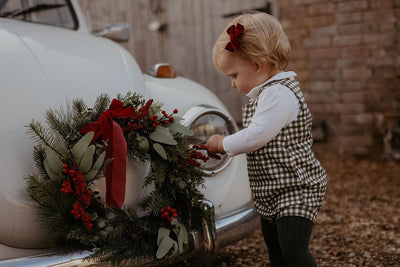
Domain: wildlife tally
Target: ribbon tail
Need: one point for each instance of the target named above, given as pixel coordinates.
(115, 172)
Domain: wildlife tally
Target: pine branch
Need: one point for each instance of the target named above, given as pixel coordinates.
(101, 105)
(39, 134)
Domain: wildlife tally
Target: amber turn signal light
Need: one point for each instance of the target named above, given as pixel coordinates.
(163, 71)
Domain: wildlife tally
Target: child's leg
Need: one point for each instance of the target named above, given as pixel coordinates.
(270, 233)
(294, 236)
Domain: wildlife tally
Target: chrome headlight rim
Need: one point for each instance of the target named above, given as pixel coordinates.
(196, 112)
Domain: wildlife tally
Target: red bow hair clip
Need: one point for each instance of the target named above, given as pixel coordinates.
(234, 33)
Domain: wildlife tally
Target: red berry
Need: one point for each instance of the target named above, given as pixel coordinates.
(158, 122)
(173, 210)
(175, 111)
(151, 119)
(166, 122)
(65, 171)
(168, 208)
(65, 166)
(163, 216)
(171, 119)
(175, 215)
(166, 213)
(155, 117)
(162, 210)
(169, 219)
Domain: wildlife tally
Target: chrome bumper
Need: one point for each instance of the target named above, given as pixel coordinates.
(214, 235)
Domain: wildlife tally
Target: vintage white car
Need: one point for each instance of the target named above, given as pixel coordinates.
(48, 56)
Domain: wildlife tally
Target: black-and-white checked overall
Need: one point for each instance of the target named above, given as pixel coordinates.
(285, 177)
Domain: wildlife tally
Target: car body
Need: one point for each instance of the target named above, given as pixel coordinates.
(45, 66)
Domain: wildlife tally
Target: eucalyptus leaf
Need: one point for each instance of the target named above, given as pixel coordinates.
(85, 164)
(99, 162)
(91, 175)
(60, 146)
(176, 127)
(53, 160)
(183, 233)
(81, 146)
(160, 150)
(143, 143)
(175, 247)
(50, 172)
(162, 232)
(162, 135)
(165, 246)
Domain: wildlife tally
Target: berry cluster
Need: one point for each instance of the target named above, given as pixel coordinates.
(76, 184)
(209, 154)
(165, 119)
(168, 213)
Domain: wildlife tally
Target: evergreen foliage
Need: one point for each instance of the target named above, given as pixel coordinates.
(116, 235)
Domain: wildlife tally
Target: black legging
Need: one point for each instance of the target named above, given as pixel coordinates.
(287, 241)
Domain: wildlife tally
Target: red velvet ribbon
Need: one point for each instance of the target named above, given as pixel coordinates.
(116, 148)
(234, 33)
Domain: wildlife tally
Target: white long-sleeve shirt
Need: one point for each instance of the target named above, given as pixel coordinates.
(277, 107)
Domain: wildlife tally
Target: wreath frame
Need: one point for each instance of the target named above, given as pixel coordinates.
(64, 178)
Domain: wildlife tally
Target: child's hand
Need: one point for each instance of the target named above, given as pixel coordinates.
(214, 144)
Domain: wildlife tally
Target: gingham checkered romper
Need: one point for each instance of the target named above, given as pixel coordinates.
(285, 177)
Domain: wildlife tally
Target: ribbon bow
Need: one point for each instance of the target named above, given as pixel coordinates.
(234, 33)
(111, 132)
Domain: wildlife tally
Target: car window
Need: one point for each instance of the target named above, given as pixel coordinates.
(53, 12)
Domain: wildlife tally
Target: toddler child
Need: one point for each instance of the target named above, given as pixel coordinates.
(287, 181)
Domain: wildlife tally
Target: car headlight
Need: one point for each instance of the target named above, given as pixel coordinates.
(206, 121)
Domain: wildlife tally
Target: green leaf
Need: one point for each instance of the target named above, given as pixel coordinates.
(53, 160)
(81, 146)
(50, 172)
(85, 164)
(99, 162)
(177, 127)
(91, 175)
(160, 150)
(143, 143)
(60, 146)
(162, 232)
(163, 135)
(166, 244)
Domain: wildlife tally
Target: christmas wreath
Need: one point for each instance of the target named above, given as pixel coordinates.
(82, 144)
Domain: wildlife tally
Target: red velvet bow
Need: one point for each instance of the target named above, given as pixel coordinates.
(234, 33)
(112, 134)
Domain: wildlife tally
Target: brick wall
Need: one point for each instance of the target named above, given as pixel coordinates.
(347, 55)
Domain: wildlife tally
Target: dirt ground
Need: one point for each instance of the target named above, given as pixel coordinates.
(358, 225)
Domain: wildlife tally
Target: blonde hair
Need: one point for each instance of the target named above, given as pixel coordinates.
(263, 42)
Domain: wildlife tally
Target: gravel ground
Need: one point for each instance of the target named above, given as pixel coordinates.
(358, 224)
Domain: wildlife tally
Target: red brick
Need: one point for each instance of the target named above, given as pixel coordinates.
(346, 18)
(300, 32)
(396, 3)
(324, 31)
(352, 6)
(322, 98)
(379, 15)
(321, 9)
(359, 28)
(350, 86)
(353, 40)
(388, 26)
(382, 4)
(352, 97)
(323, 64)
(317, 42)
(320, 21)
(323, 53)
(354, 52)
(385, 73)
(319, 87)
(361, 73)
(346, 63)
(292, 12)
(298, 54)
(325, 75)
(383, 39)
(350, 108)
(309, 2)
